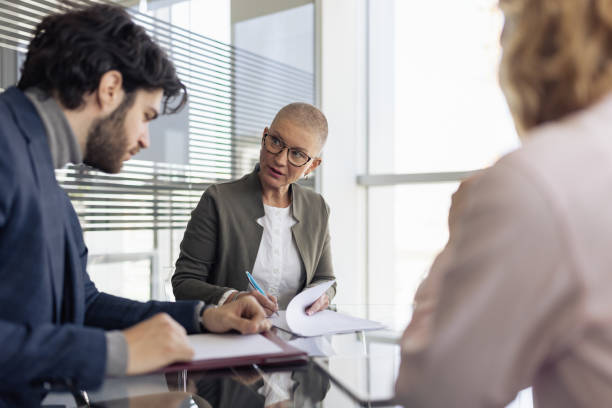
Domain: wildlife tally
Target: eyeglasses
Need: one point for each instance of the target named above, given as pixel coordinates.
(275, 145)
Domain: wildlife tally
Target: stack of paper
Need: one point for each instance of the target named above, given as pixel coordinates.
(295, 319)
(209, 346)
(231, 350)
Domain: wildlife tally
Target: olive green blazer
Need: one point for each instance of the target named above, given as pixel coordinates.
(222, 239)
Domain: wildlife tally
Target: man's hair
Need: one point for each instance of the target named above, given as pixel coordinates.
(71, 51)
(305, 116)
(557, 57)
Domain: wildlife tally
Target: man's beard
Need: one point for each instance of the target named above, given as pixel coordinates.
(107, 140)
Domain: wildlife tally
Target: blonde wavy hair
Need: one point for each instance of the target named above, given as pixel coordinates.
(557, 57)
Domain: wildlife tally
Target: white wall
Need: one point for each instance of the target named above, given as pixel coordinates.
(342, 98)
(381, 133)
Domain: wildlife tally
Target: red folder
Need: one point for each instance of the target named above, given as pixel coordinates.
(288, 356)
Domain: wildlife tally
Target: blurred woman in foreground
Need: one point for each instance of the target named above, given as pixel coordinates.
(520, 296)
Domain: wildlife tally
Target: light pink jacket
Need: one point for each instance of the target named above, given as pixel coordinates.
(522, 293)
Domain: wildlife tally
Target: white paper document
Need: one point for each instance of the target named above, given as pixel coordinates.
(295, 319)
(209, 346)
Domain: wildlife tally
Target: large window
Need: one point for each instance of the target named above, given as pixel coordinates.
(450, 114)
(436, 113)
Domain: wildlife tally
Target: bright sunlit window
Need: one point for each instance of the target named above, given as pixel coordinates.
(436, 106)
(450, 111)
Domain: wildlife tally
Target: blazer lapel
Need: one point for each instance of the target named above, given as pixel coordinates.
(50, 201)
(253, 232)
(300, 236)
(74, 277)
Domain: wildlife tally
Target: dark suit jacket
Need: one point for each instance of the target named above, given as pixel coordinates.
(52, 317)
(222, 239)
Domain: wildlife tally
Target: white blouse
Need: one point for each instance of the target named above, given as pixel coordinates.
(278, 266)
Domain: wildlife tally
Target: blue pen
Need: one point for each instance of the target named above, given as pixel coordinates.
(254, 283)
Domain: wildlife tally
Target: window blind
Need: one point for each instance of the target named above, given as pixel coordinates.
(233, 95)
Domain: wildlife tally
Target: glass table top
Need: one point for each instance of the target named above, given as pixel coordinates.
(347, 370)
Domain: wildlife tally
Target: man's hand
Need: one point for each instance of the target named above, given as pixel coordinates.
(155, 343)
(245, 315)
(320, 304)
(269, 302)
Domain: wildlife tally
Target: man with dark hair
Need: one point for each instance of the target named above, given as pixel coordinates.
(91, 83)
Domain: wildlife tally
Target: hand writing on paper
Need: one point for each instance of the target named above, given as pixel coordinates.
(244, 315)
(154, 343)
(268, 302)
(320, 304)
